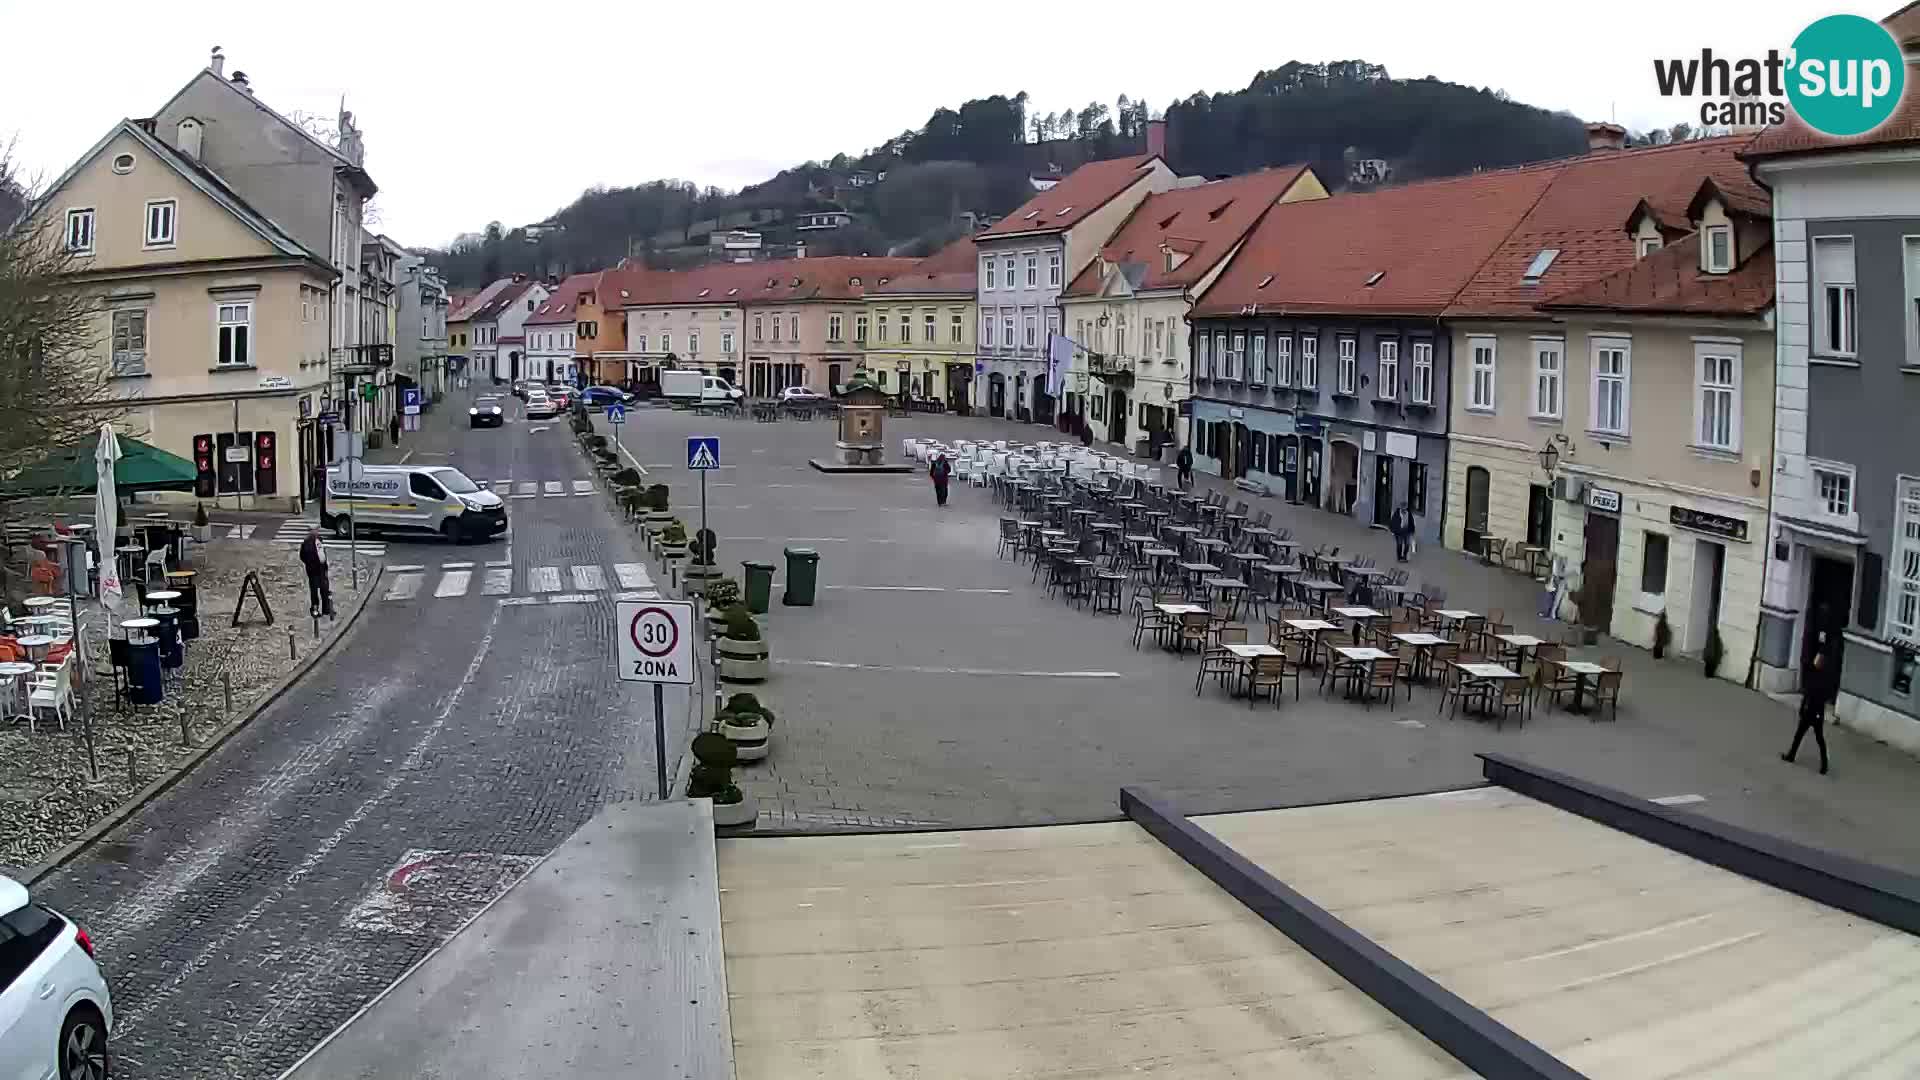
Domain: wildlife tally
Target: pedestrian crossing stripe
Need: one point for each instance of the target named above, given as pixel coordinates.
(577, 584)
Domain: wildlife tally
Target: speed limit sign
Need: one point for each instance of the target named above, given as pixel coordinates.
(655, 641)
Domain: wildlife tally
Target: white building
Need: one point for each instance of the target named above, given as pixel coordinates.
(551, 331)
(499, 329)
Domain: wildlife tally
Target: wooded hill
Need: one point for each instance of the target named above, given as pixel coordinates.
(1349, 119)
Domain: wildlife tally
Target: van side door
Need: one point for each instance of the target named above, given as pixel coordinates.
(428, 499)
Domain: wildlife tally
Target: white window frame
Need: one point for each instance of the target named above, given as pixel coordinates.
(1728, 392)
(726, 342)
(906, 326)
(1222, 356)
(880, 328)
(1006, 328)
(835, 327)
(1033, 270)
(1346, 378)
(1283, 359)
(640, 343)
(776, 328)
(929, 327)
(80, 230)
(1119, 339)
(1903, 575)
(987, 266)
(1646, 245)
(128, 361)
(1257, 362)
(1548, 397)
(171, 218)
(1819, 506)
(1009, 268)
(1053, 269)
(793, 324)
(1237, 356)
(1483, 359)
(986, 329)
(1387, 377)
(1825, 344)
(1421, 391)
(666, 341)
(693, 343)
(1203, 357)
(860, 323)
(1708, 236)
(958, 324)
(1310, 361)
(1053, 324)
(241, 346)
(1596, 346)
(759, 328)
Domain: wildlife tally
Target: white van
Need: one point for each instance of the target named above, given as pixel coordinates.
(412, 498)
(695, 387)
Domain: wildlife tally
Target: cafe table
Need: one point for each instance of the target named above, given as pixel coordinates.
(1423, 646)
(1490, 673)
(1196, 572)
(1310, 630)
(1581, 670)
(36, 645)
(1353, 661)
(1248, 653)
(162, 598)
(1229, 589)
(1174, 612)
(1318, 585)
(1360, 616)
(1455, 615)
(1520, 644)
(15, 675)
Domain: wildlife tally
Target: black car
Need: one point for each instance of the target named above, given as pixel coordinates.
(486, 412)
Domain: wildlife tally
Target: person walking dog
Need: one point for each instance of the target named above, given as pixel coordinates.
(941, 471)
(314, 558)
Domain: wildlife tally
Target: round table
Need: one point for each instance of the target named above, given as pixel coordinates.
(143, 661)
(162, 597)
(38, 604)
(142, 627)
(13, 672)
(32, 642)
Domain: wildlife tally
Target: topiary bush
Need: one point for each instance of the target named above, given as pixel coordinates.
(740, 624)
(597, 442)
(744, 704)
(723, 593)
(712, 775)
(657, 497)
(627, 477)
(674, 533)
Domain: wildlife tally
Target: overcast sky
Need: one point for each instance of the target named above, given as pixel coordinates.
(475, 112)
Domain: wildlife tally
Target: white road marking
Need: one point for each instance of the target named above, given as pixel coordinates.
(1679, 800)
(1410, 723)
(243, 532)
(406, 566)
(453, 583)
(456, 566)
(405, 587)
(638, 594)
(497, 582)
(519, 601)
(839, 666)
(572, 598)
(527, 487)
(499, 562)
(583, 487)
(553, 487)
(633, 575)
(542, 579)
(538, 430)
(523, 495)
(588, 578)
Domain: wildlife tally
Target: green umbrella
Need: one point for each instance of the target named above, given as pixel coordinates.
(73, 471)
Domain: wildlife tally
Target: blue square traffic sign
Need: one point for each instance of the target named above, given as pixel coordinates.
(616, 414)
(703, 452)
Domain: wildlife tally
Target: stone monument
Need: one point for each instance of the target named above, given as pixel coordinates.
(859, 441)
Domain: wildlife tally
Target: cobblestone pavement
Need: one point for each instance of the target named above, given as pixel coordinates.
(308, 862)
(48, 794)
(934, 683)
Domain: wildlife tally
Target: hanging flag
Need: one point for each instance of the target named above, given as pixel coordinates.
(1059, 358)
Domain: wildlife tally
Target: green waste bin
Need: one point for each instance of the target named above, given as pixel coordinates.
(759, 579)
(803, 570)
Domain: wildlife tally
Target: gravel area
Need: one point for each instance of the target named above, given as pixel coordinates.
(47, 793)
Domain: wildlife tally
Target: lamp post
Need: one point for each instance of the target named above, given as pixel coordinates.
(1549, 458)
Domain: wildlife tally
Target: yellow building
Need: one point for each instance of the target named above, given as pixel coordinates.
(916, 329)
(213, 320)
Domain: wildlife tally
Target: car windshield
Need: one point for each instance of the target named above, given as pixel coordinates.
(487, 402)
(455, 481)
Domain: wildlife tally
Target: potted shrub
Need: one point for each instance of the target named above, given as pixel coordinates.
(673, 542)
(742, 649)
(700, 566)
(202, 528)
(722, 593)
(596, 443)
(657, 515)
(712, 778)
(748, 725)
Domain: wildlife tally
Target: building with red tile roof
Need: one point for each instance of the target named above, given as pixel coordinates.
(496, 327)
(554, 329)
(917, 330)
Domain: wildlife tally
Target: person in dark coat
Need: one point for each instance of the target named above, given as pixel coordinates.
(393, 429)
(314, 558)
(1184, 464)
(941, 471)
(1401, 524)
(1819, 682)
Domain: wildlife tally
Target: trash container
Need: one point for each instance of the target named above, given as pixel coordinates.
(759, 579)
(803, 569)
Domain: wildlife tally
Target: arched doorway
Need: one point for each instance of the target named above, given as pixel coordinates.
(1343, 476)
(1478, 481)
(513, 365)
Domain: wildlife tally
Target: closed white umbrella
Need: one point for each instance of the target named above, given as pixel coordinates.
(106, 519)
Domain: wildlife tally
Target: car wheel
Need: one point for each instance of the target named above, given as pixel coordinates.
(83, 1045)
(342, 526)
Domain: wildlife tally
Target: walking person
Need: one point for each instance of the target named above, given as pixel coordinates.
(941, 472)
(1401, 524)
(314, 558)
(1184, 465)
(1819, 682)
(1556, 581)
(393, 430)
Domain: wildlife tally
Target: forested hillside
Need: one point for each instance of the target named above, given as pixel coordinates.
(915, 191)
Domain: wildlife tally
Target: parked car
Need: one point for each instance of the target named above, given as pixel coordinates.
(801, 395)
(486, 412)
(55, 1011)
(520, 387)
(599, 397)
(540, 406)
(561, 394)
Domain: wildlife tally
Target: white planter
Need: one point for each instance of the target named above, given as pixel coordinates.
(731, 815)
(743, 661)
(203, 534)
(751, 742)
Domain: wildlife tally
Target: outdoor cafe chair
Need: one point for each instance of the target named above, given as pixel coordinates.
(1382, 678)
(1217, 661)
(1509, 696)
(1009, 538)
(1270, 673)
(1148, 619)
(1194, 627)
(1456, 687)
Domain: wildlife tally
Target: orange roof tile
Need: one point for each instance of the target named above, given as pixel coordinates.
(564, 303)
(1078, 194)
(953, 269)
(1203, 223)
(1902, 128)
(1424, 239)
(1670, 281)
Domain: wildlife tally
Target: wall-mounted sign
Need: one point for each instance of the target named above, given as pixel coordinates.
(1236, 414)
(1402, 445)
(1606, 499)
(1731, 528)
(1307, 425)
(275, 382)
(1367, 440)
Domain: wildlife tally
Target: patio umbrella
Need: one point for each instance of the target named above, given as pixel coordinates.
(74, 470)
(106, 516)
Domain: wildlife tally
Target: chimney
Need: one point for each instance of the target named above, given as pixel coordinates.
(1605, 136)
(1157, 137)
(218, 65)
(240, 82)
(187, 138)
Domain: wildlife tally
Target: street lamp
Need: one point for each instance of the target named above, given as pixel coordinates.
(1549, 457)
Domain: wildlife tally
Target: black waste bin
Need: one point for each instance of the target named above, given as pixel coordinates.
(759, 589)
(803, 571)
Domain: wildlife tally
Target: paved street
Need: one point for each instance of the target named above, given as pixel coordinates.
(450, 739)
(934, 684)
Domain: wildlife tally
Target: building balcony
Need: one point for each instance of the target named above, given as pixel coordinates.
(1117, 370)
(365, 359)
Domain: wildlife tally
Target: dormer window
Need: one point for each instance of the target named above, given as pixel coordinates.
(1063, 211)
(855, 282)
(1374, 278)
(1718, 249)
(1645, 246)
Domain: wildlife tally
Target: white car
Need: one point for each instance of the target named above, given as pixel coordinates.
(540, 406)
(55, 1012)
(801, 395)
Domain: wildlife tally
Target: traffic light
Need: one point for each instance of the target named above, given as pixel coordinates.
(204, 478)
(264, 460)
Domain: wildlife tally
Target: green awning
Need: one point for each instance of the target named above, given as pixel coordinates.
(71, 471)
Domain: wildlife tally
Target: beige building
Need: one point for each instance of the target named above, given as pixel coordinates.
(800, 317)
(916, 330)
(690, 319)
(1627, 429)
(1126, 311)
(213, 320)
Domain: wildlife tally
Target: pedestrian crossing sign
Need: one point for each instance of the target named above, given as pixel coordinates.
(616, 414)
(703, 452)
